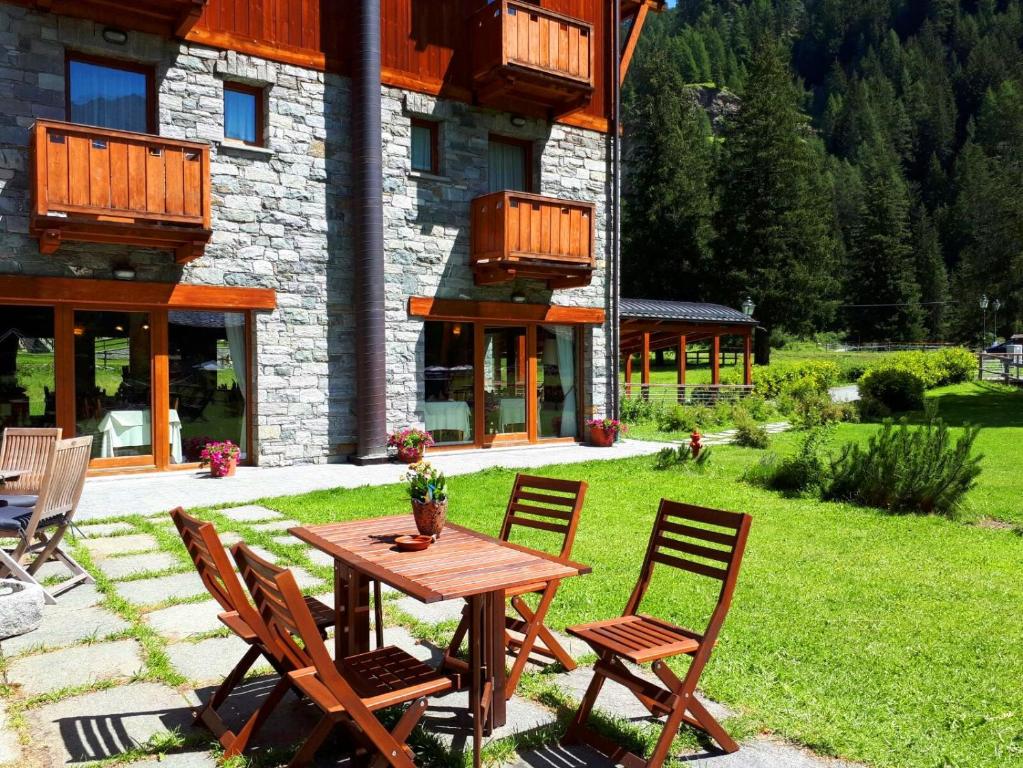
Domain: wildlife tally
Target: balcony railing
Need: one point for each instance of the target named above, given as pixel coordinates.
(517, 234)
(531, 60)
(104, 186)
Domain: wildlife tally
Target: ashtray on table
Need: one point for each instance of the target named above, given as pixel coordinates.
(413, 543)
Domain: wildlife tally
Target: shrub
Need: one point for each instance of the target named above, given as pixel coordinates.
(750, 434)
(638, 409)
(804, 471)
(681, 457)
(771, 380)
(898, 389)
(808, 407)
(957, 364)
(687, 418)
(757, 406)
(907, 469)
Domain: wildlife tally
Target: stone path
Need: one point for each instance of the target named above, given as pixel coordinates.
(93, 694)
(159, 492)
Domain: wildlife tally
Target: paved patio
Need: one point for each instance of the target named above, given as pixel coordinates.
(158, 492)
(100, 681)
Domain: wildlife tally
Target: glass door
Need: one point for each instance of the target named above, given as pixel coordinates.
(505, 373)
(557, 387)
(113, 390)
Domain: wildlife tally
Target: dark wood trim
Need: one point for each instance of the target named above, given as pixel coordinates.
(527, 146)
(260, 107)
(118, 294)
(64, 367)
(152, 121)
(499, 312)
(159, 387)
(434, 128)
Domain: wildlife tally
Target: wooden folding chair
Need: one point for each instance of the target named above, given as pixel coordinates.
(545, 504)
(40, 528)
(28, 450)
(211, 561)
(706, 542)
(349, 692)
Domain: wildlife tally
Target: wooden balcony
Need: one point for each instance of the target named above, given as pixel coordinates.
(531, 60)
(102, 186)
(521, 235)
(172, 18)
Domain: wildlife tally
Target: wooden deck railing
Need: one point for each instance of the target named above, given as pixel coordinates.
(1004, 368)
(103, 185)
(693, 394)
(518, 234)
(523, 54)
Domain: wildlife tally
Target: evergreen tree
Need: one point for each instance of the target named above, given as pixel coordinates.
(931, 275)
(775, 224)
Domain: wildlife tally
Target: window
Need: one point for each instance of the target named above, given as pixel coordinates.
(110, 94)
(424, 146)
(450, 380)
(510, 164)
(243, 113)
(27, 367)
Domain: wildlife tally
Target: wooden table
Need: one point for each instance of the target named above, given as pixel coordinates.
(461, 564)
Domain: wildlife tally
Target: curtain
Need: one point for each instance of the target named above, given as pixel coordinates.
(566, 372)
(239, 115)
(108, 97)
(507, 165)
(422, 148)
(234, 324)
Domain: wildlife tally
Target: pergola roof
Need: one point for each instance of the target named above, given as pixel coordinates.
(683, 312)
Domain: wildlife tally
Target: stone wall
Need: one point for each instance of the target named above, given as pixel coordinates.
(426, 229)
(280, 217)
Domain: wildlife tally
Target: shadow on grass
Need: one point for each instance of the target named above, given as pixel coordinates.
(984, 404)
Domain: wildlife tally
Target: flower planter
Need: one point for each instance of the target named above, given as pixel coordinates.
(411, 455)
(224, 468)
(602, 438)
(429, 516)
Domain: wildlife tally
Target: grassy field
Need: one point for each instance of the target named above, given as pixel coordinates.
(892, 640)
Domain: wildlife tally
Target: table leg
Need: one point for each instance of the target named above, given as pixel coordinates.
(340, 600)
(496, 636)
(476, 662)
(351, 611)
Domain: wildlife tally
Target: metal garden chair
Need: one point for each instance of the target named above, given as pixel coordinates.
(545, 504)
(350, 692)
(701, 541)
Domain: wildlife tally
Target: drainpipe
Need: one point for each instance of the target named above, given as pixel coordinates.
(614, 273)
(367, 154)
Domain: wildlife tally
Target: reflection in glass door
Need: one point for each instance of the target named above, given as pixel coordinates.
(504, 381)
(113, 384)
(27, 367)
(557, 392)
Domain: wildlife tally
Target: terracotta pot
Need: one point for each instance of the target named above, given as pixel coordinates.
(411, 455)
(430, 516)
(223, 468)
(602, 438)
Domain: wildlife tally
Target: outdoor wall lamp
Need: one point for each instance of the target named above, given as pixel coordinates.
(124, 272)
(518, 298)
(748, 306)
(518, 121)
(115, 36)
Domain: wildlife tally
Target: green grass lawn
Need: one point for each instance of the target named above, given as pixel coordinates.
(892, 640)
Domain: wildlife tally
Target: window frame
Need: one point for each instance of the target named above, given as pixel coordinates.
(260, 118)
(527, 146)
(434, 128)
(152, 124)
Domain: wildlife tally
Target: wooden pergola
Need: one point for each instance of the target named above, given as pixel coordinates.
(648, 326)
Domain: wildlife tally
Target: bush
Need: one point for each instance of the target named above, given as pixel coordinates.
(804, 471)
(808, 407)
(897, 389)
(957, 365)
(749, 434)
(687, 418)
(638, 409)
(771, 380)
(907, 469)
(681, 457)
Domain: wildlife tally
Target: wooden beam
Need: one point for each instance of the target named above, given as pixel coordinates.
(747, 353)
(715, 363)
(119, 294)
(646, 364)
(628, 375)
(635, 29)
(680, 363)
(502, 312)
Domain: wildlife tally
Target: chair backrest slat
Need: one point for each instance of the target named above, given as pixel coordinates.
(545, 504)
(62, 487)
(28, 450)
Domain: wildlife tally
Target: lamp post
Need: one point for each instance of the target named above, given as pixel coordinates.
(995, 306)
(983, 310)
(748, 306)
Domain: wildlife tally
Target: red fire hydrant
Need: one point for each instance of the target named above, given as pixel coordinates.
(694, 444)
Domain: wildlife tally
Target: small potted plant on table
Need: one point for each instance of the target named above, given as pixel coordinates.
(410, 443)
(221, 457)
(428, 489)
(604, 432)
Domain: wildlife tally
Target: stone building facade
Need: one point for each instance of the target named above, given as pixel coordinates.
(280, 218)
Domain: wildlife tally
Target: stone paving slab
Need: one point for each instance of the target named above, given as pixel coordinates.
(76, 666)
(66, 625)
(277, 525)
(202, 759)
(10, 746)
(432, 613)
(763, 753)
(119, 545)
(100, 725)
(181, 621)
(208, 660)
(316, 556)
(122, 567)
(228, 538)
(249, 513)
(102, 530)
(448, 720)
(160, 588)
(80, 596)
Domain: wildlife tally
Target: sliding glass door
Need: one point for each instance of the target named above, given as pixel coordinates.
(504, 361)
